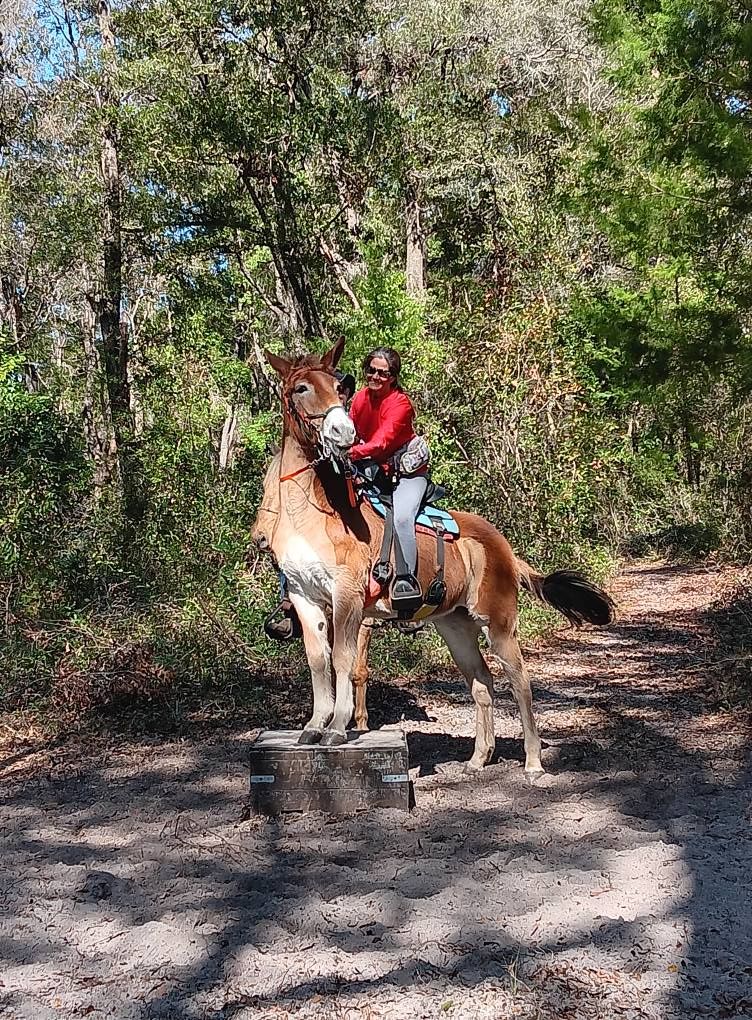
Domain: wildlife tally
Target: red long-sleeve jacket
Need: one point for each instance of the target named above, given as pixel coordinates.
(383, 423)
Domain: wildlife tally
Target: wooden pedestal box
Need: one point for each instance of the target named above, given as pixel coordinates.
(369, 771)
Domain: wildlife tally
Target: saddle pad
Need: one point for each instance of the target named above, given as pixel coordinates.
(425, 518)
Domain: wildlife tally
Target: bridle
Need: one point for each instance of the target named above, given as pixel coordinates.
(313, 435)
(325, 450)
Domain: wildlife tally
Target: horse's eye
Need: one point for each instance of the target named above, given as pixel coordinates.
(301, 389)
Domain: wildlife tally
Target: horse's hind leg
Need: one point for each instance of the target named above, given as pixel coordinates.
(460, 633)
(506, 647)
(360, 676)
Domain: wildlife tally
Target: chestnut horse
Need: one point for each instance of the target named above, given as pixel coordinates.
(327, 547)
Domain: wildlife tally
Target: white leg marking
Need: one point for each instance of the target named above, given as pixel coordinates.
(315, 627)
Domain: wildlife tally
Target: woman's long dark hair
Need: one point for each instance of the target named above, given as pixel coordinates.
(391, 357)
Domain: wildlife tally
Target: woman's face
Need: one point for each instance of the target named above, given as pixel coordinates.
(379, 376)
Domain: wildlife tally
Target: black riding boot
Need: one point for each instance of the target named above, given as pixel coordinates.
(407, 598)
(286, 629)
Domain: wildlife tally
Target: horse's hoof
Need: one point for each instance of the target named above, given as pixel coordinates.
(533, 775)
(310, 737)
(332, 738)
(472, 767)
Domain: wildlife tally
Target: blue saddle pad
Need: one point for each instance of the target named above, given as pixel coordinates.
(426, 517)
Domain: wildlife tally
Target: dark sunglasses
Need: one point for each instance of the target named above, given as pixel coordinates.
(380, 372)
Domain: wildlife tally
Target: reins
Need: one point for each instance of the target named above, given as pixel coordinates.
(293, 474)
(351, 497)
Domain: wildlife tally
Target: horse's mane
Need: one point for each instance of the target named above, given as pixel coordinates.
(310, 361)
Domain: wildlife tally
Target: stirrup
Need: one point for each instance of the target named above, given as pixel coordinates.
(436, 593)
(411, 627)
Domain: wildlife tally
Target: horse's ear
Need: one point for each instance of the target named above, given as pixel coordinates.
(332, 356)
(280, 365)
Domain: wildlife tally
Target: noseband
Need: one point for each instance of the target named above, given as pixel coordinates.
(303, 420)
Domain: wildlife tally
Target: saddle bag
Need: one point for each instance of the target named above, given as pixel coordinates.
(415, 456)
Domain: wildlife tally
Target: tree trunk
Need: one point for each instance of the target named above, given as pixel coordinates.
(691, 457)
(691, 454)
(341, 269)
(135, 360)
(12, 315)
(112, 322)
(294, 293)
(11, 310)
(351, 201)
(286, 309)
(415, 260)
(99, 432)
(228, 439)
(294, 272)
(112, 325)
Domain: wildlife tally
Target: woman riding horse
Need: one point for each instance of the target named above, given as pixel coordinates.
(327, 544)
(383, 416)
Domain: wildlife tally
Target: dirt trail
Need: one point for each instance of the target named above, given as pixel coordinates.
(618, 886)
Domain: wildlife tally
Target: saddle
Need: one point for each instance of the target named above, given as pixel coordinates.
(433, 520)
(430, 519)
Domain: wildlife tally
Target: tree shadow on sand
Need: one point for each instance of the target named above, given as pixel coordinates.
(616, 882)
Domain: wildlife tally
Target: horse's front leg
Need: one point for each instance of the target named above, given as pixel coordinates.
(347, 615)
(315, 627)
(360, 676)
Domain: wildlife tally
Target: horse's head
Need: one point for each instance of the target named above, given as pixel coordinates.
(314, 414)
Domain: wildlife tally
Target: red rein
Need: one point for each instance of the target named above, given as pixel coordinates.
(352, 498)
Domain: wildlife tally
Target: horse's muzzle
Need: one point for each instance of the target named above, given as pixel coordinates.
(338, 430)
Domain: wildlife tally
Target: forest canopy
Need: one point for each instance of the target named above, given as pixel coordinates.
(545, 207)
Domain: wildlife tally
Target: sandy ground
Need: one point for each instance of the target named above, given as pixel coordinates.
(618, 886)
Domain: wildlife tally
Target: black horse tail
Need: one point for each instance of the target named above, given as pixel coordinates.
(570, 593)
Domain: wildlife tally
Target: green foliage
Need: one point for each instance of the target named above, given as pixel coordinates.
(662, 180)
(43, 476)
(580, 360)
(389, 317)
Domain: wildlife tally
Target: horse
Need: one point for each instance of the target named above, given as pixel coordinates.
(327, 542)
